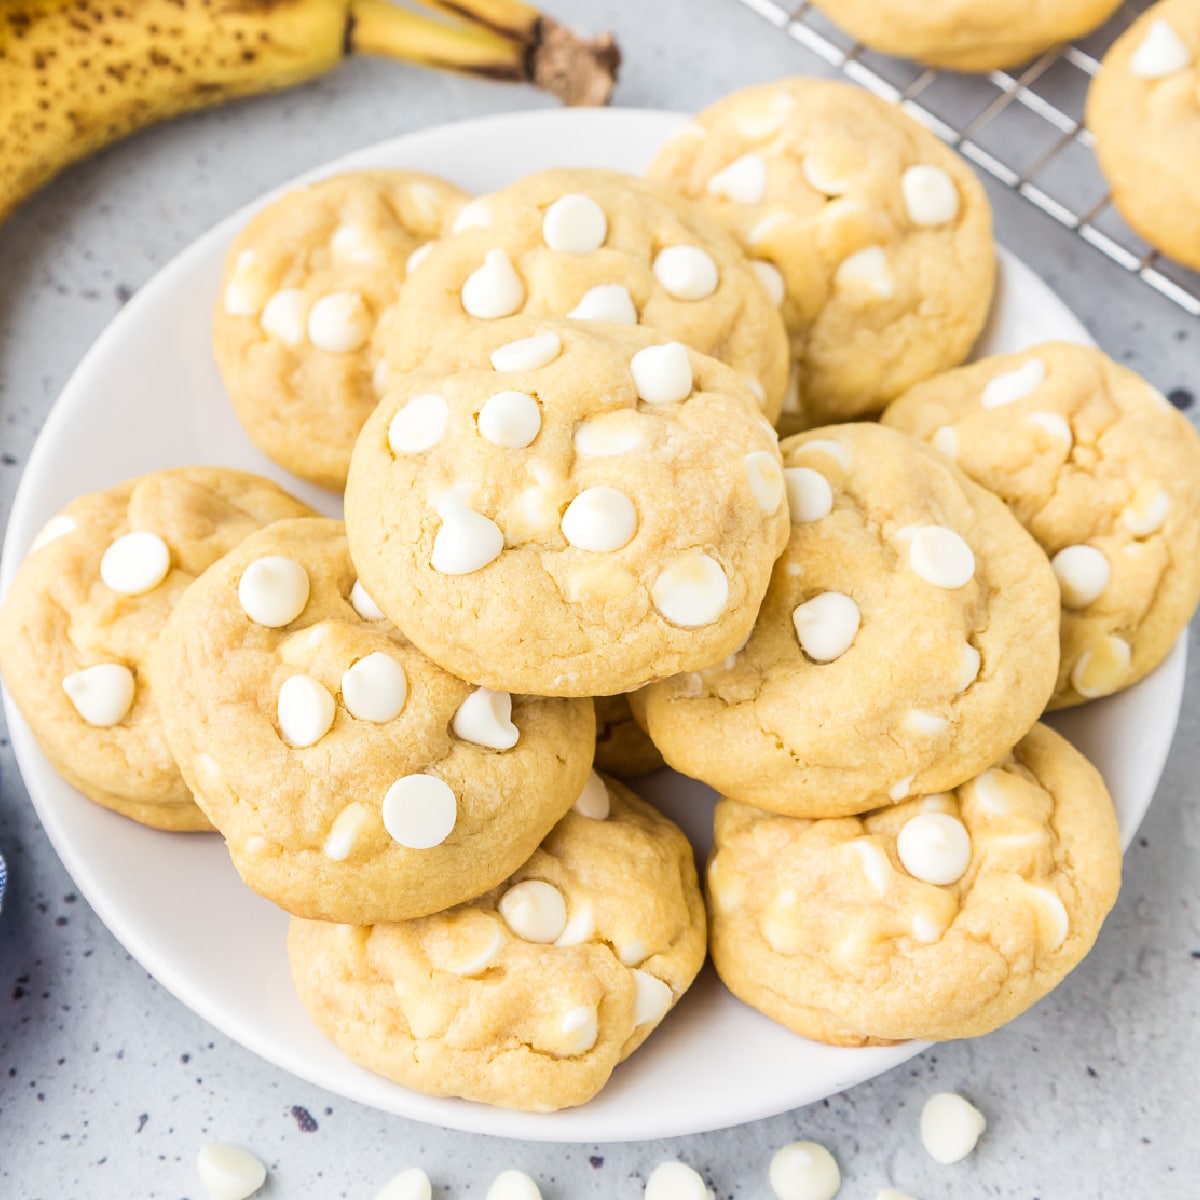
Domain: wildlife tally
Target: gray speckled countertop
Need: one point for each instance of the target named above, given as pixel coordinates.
(108, 1085)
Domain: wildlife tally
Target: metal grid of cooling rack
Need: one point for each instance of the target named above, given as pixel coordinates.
(1024, 128)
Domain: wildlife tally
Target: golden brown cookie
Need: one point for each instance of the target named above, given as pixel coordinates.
(622, 746)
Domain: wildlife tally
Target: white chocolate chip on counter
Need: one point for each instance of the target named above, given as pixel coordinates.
(339, 323)
(606, 302)
(375, 688)
(686, 272)
(58, 526)
(826, 625)
(609, 433)
(652, 999)
(1102, 669)
(809, 495)
(412, 1184)
(867, 270)
(950, 1127)
(362, 603)
(691, 590)
(1160, 53)
(534, 910)
(284, 316)
(574, 224)
(305, 710)
(593, 801)
(945, 441)
(527, 354)
(344, 831)
(1083, 573)
(1014, 385)
(229, 1172)
(970, 661)
(766, 480)
(273, 591)
(771, 277)
(744, 181)
(934, 848)
(494, 289)
(940, 557)
(419, 811)
(513, 1185)
(804, 1171)
(473, 215)
(600, 519)
(102, 694)
(484, 718)
(510, 419)
(1147, 511)
(467, 541)
(929, 195)
(135, 563)
(676, 1181)
(662, 374)
(419, 425)
(1055, 425)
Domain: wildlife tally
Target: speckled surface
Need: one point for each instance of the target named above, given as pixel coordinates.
(108, 1086)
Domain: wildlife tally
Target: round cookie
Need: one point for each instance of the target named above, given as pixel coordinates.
(967, 35)
(1144, 110)
(1104, 473)
(880, 235)
(568, 511)
(304, 285)
(593, 244)
(908, 638)
(942, 917)
(529, 996)
(353, 780)
(622, 747)
(87, 606)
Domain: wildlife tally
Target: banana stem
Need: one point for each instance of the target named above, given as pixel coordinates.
(510, 18)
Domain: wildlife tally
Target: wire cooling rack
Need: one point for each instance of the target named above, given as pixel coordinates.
(1026, 129)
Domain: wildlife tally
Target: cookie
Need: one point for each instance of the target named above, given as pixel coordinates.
(909, 637)
(1142, 109)
(353, 780)
(601, 246)
(622, 747)
(304, 285)
(942, 917)
(967, 35)
(880, 236)
(87, 606)
(529, 996)
(1104, 473)
(567, 510)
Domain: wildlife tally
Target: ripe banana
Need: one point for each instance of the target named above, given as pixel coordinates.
(77, 74)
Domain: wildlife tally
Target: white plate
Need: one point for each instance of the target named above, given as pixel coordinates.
(147, 395)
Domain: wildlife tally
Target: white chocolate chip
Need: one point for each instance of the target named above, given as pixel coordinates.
(809, 495)
(273, 591)
(771, 277)
(473, 215)
(950, 1127)
(662, 374)
(691, 590)
(527, 354)
(375, 688)
(58, 526)
(600, 519)
(990, 794)
(480, 954)
(834, 449)
(1015, 384)
(574, 224)
(652, 998)
(419, 811)
(1055, 425)
(826, 625)
(593, 801)
(247, 289)
(305, 710)
(412, 1184)
(1147, 512)
(467, 541)
(284, 316)
(822, 177)
(934, 847)
(804, 1171)
(580, 1028)
(534, 911)
(102, 694)
(901, 788)
(513, 1185)
(676, 1181)
(609, 433)
(875, 865)
(1102, 669)
(344, 831)
(135, 563)
(229, 1172)
(510, 419)
(484, 718)
(362, 603)
(606, 302)
(418, 426)
(744, 181)
(765, 478)
(940, 557)
(631, 953)
(686, 272)
(351, 245)
(926, 724)
(494, 289)
(791, 392)
(929, 195)
(379, 377)
(925, 929)
(1161, 52)
(945, 441)
(1083, 573)
(867, 270)
(417, 257)
(339, 323)
(580, 927)
(968, 670)
(1054, 914)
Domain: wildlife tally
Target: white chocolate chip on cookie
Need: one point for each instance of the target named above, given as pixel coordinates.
(826, 625)
(510, 419)
(653, 998)
(375, 688)
(102, 695)
(1083, 573)
(606, 302)
(339, 323)
(135, 563)
(285, 316)
(420, 811)
(1014, 385)
(305, 710)
(600, 519)
(687, 272)
(1160, 53)
(485, 718)
(929, 195)
(692, 590)
(593, 801)
(527, 354)
(574, 224)
(941, 557)
(466, 542)
(534, 910)
(744, 181)
(935, 848)
(662, 374)
(867, 270)
(809, 495)
(419, 425)
(273, 591)
(494, 289)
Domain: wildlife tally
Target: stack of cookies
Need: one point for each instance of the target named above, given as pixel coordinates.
(554, 412)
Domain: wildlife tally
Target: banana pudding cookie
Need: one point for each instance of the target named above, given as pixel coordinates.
(1144, 109)
(596, 245)
(1104, 473)
(529, 996)
(304, 285)
(908, 638)
(568, 510)
(877, 236)
(353, 780)
(622, 747)
(87, 606)
(942, 917)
